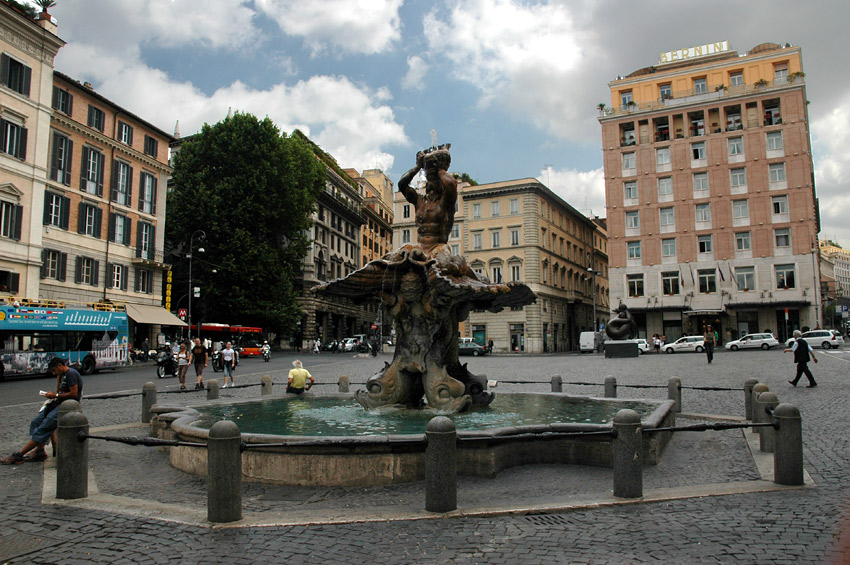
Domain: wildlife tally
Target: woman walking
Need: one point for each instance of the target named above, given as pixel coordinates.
(229, 358)
(182, 365)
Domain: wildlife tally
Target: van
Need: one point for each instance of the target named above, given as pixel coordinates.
(588, 341)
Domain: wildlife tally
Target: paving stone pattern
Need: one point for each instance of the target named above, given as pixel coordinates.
(797, 526)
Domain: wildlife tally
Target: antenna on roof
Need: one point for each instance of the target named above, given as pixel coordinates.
(177, 129)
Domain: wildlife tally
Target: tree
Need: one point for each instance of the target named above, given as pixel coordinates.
(251, 189)
(464, 177)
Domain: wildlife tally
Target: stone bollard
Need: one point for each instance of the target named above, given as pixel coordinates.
(788, 446)
(674, 392)
(610, 387)
(748, 398)
(557, 384)
(68, 406)
(628, 455)
(767, 400)
(343, 383)
(441, 465)
(148, 400)
(267, 384)
(72, 457)
(212, 389)
(758, 388)
(224, 473)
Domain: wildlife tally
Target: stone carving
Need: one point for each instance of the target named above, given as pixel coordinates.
(623, 325)
(427, 291)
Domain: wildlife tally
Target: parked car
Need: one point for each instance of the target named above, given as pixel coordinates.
(472, 348)
(828, 339)
(686, 343)
(643, 346)
(349, 344)
(589, 341)
(753, 341)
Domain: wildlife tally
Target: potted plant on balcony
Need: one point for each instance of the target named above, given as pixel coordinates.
(761, 83)
(602, 108)
(631, 105)
(44, 5)
(795, 75)
(720, 88)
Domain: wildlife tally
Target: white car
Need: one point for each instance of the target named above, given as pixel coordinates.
(753, 341)
(349, 344)
(686, 343)
(643, 346)
(828, 339)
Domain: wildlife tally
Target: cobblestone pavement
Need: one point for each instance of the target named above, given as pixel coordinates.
(805, 525)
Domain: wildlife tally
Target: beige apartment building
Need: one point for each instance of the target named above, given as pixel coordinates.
(711, 205)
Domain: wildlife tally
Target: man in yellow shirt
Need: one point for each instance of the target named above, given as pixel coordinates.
(298, 378)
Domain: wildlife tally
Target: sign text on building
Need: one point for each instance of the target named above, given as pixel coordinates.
(691, 52)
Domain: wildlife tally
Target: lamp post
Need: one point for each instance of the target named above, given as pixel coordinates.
(202, 236)
(592, 272)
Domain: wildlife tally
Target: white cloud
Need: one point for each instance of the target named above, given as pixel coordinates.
(417, 68)
(356, 26)
(583, 190)
(831, 137)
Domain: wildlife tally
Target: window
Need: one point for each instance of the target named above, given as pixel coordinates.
(455, 250)
(63, 100)
(476, 210)
(97, 118)
(738, 177)
(89, 220)
(56, 210)
(780, 204)
(91, 174)
(630, 190)
(496, 238)
(707, 280)
(10, 282)
(629, 161)
(144, 281)
(13, 139)
(11, 216)
(740, 209)
(698, 150)
(122, 183)
(634, 250)
(700, 181)
(774, 140)
(455, 231)
(405, 211)
(145, 241)
(700, 86)
(496, 271)
(662, 156)
(118, 276)
(736, 146)
(53, 264)
(151, 146)
(782, 237)
(15, 75)
(119, 229)
(668, 216)
(780, 71)
(785, 277)
(125, 133)
(665, 186)
(60, 159)
(742, 241)
(665, 91)
(703, 212)
(632, 220)
(476, 240)
(704, 244)
(634, 284)
(514, 206)
(86, 271)
(736, 78)
(745, 278)
(670, 283)
(625, 98)
(147, 193)
(516, 272)
(514, 237)
(777, 172)
(668, 247)
(495, 208)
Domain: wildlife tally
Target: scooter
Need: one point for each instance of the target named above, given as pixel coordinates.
(217, 362)
(267, 355)
(166, 365)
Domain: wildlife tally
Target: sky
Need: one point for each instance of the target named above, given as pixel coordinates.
(513, 85)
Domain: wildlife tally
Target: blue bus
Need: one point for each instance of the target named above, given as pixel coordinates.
(89, 339)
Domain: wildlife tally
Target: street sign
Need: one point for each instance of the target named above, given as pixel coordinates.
(374, 326)
(182, 313)
(844, 308)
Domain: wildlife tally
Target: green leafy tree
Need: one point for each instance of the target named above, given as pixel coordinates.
(464, 177)
(251, 190)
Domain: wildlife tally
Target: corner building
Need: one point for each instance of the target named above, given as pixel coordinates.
(711, 205)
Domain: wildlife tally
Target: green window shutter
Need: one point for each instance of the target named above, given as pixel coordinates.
(63, 262)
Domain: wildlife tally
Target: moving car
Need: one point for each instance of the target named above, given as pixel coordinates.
(472, 348)
(753, 341)
(828, 339)
(686, 343)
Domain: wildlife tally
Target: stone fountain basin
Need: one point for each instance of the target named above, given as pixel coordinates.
(386, 459)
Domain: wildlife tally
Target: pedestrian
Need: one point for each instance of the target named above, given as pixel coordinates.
(69, 386)
(490, 345)
(708, 343)
(317, 345)
(298, 378)
(802, 352)
(229, 358)
(656, 343)
(199, 359)
(182, 365)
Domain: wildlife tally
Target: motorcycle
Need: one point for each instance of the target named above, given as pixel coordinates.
(217, 362)
(138, 355)
(267, 355)
(166, 364)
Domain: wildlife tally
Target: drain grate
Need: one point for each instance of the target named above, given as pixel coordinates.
(548, 520)
(18, 545)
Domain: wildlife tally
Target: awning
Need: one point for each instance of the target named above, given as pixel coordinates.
(153, 315)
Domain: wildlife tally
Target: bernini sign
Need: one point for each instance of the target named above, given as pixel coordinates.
(692, 52)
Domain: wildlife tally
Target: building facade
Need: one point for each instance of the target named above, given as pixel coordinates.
(711, 207)
(835, 283)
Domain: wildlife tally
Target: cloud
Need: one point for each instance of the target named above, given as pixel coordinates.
(583, 190)
(832, 169)
(354, 26)
(417, 68)
(351, 122)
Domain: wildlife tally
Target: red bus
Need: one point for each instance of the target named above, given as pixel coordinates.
(248, 338)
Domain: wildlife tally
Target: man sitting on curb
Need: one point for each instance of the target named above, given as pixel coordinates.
(298, 378)
(69, 385)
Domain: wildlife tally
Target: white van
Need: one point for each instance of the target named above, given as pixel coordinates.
(588, 341)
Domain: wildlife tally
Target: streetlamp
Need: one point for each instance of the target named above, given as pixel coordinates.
(593, 272)
(202, 237)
